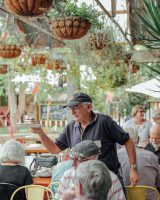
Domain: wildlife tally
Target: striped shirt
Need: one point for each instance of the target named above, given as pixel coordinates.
(67, 181)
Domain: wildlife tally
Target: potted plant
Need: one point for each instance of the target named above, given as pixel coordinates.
(72, 21)
(116, 76)
(3, 68)
(30, 8)
(38, 59)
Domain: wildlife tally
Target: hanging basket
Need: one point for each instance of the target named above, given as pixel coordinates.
(3, 69)
(38, 59)
(98, 40)
(55, 65)
(70, 28)
(9, 51)
(134, 69)
(28, 7)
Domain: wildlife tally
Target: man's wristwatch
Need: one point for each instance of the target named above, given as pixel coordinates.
(133, 166)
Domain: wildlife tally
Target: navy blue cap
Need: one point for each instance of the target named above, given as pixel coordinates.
(77, 99)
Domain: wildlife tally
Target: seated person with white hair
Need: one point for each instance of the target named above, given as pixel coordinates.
(156, 116)
(12, 169)
(153, 144)
(92, 182)
(83, 151)
(148, 169)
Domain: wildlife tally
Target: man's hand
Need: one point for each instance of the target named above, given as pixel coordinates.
(47, 142)
(134, 177)
(39, 131)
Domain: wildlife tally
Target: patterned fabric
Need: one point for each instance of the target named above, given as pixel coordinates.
(67, 181)
(58, 172)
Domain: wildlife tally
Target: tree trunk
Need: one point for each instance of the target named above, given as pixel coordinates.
(16, 108)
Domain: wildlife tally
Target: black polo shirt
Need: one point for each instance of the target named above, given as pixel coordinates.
(102, 129)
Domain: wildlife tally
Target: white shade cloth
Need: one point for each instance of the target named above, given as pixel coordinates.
(150, 88)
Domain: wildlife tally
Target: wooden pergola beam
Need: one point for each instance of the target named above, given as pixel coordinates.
(113, 6)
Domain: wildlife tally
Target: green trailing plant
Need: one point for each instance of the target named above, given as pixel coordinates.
(151, 21)
(116, 76)
(72, 8)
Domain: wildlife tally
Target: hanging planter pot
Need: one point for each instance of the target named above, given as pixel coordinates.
(38, 59)
(9, 51)
(3, 69)
(70, 28)
(30, 8)
(98, 40)
(135, 68)
(55, 65)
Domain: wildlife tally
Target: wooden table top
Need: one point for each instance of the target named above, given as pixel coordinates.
(45, 181)
(35, 148)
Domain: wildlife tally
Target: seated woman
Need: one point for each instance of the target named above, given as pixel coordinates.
(12, 169)
(92, 182)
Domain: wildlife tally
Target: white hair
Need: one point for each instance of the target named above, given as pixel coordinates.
(94, 177)
(12, 151)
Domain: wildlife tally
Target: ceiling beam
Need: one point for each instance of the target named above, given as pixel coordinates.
(113, 6)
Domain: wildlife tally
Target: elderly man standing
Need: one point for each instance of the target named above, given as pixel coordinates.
(100, 128)
(154, 141)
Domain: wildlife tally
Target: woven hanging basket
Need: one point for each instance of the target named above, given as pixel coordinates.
(9, 51)
(70, 28)
(38, 59)
(135, 68)
(98, 40)
(55, 65)
(28, 7)
(3, 69)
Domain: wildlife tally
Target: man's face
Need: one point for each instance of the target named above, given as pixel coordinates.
(155, 138)
(140, 113)
(80, 111)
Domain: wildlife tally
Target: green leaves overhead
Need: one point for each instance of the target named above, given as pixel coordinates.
(151, 21)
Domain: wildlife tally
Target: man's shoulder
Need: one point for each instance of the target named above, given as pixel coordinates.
(144, 152)
(70, 125)
(69, 172)
(104, 118)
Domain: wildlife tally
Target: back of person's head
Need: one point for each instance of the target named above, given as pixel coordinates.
(12, 151)
(84, 149)
(135, 109)
(156, 116)
(94, 179)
